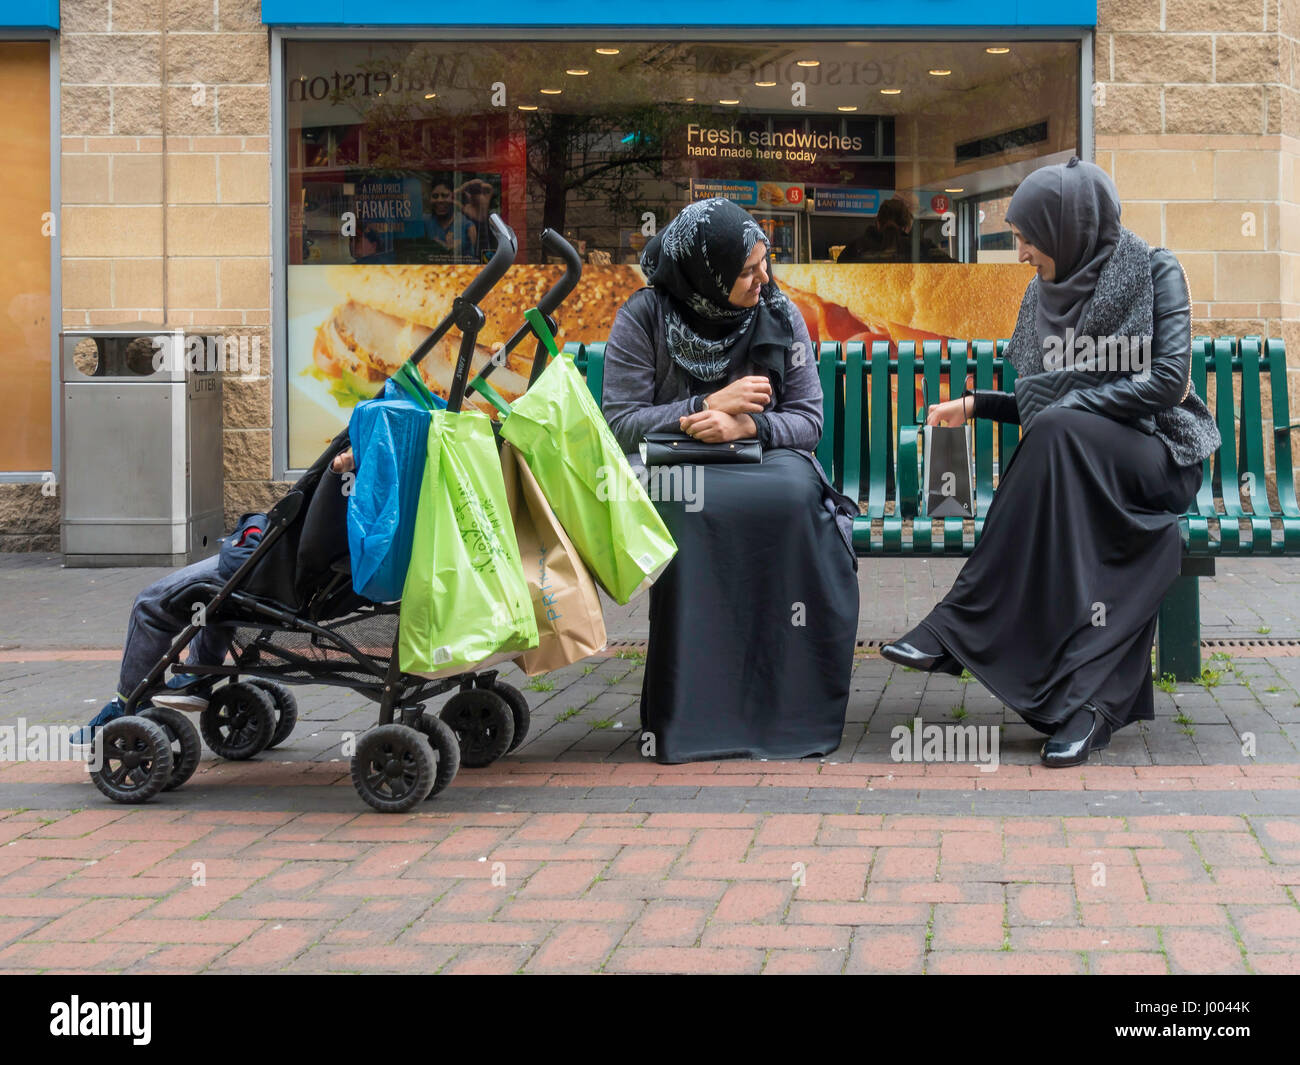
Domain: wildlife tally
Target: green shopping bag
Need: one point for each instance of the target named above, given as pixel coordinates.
(465, 602)
(585, 476)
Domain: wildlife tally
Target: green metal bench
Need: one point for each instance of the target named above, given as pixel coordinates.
(870, 458)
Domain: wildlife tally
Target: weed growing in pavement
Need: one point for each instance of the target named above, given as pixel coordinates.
(1264, 630)
(604, 723)
(966, 675)
(1167, 683)
(588, 670)
(958, 712)
(1210, 677)
(564, 715)
(631, 655)
(541, 684)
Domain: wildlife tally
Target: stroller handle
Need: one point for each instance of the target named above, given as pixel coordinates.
(554, 244)
(502, 259)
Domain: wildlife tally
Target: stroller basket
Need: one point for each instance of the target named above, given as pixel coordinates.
(325, 653)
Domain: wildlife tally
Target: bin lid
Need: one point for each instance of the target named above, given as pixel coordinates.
(121, 329)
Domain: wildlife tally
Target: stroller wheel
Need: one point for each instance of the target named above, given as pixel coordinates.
(184, 741)
(518, 704)
(482, 722)
(135, 759)
(446, 751)
(286, 709)
(239, 721)
(393, 768)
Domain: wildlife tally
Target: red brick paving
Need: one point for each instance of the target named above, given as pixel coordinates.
(117, 890)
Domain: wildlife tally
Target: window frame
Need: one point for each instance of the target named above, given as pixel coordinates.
(1084, 36)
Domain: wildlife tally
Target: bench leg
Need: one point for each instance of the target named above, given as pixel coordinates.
(1178, 631)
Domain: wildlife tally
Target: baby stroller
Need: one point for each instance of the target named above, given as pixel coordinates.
(292, 617)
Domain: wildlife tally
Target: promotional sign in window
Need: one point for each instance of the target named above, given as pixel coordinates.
(399, 150)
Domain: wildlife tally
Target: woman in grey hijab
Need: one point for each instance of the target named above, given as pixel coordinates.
(1055, 610)
(753, 623)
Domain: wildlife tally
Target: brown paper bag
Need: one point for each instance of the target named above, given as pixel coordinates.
(570, 624)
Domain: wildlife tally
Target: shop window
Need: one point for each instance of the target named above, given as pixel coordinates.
(855, 155)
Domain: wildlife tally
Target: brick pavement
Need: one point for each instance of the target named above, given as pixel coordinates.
(172, 890)
(1176, 850)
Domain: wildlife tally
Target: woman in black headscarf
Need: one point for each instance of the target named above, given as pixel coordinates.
(752, 625)
(1055, 610)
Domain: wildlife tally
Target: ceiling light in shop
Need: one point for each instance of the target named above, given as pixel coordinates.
(847, 107)
(954, 190)
(808, 62)
(890, 92)
(729, 103)
(550, 92)
(940, 72)
(997, 50)
(607, 51)
(578, 72)
(430, 95)
(764, 84)
(690, 99)
(527, 107)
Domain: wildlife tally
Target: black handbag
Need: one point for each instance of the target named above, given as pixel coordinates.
(675, 449)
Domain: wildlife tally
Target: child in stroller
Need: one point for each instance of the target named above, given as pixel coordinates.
(157, 619)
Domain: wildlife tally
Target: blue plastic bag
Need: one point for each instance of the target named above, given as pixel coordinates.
(390, 442)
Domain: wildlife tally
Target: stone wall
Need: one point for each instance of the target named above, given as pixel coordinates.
(1198, 120)
(166, 216)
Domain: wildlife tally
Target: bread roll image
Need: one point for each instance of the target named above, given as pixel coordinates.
(913, 301)
(386, 312)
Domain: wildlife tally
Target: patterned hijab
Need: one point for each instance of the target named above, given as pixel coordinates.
(695, 260)
(1071, 212)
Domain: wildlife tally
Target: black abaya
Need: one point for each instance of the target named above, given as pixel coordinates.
(1057, 604)
(753, 623)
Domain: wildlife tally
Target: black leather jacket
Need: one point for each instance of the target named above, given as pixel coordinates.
(1130, 399)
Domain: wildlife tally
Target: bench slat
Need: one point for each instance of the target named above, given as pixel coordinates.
(1252, 448)
(828, 354)
(854, 386)
(1229, 486)
(881, 423)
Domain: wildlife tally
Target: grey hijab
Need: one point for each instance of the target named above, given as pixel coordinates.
(1071, 212)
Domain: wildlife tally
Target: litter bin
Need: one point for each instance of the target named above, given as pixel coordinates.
(141, 475)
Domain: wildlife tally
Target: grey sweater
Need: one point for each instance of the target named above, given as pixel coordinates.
(645, 391)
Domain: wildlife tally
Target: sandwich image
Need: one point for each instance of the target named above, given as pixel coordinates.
(385, 312)
(906, 301)
(773, 194)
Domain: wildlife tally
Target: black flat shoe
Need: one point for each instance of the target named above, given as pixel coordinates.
(904, 654)
(1084, 731)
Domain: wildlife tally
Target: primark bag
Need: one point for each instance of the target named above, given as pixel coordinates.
(570, 622)
(465, 602)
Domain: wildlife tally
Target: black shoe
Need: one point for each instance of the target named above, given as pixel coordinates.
(906, 655)
(1084, 731)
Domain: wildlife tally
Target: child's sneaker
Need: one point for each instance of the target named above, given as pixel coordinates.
(185, 692)
(85, 736)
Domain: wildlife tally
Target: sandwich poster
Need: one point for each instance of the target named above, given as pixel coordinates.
(351, 326)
